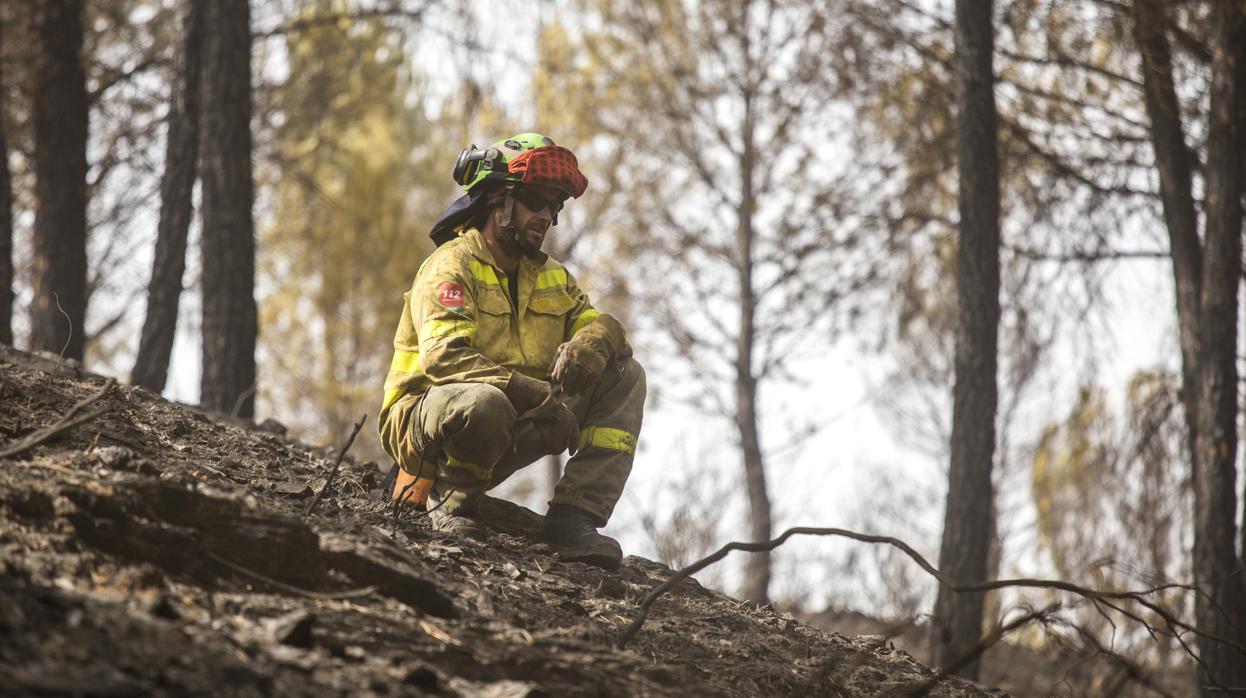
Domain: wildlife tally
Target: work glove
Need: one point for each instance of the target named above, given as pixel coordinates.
(580, 362)
(526, 393)
(536, 402)
(557, 424)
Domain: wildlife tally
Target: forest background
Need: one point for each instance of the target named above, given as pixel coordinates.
(773, 211)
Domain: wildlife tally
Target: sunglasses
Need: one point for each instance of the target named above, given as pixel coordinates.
(535, 201)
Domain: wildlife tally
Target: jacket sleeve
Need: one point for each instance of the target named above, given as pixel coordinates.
(587, 320)
(444, 313)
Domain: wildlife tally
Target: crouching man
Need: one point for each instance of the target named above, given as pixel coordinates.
(500, 359)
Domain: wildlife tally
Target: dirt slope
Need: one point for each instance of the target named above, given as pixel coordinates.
(157, 550)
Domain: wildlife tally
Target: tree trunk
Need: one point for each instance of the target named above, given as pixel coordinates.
(1215, 560)
(229, 313)
(6, 222)
(1206, 282)
(1172, 160)
(60, 235)
(757, 567)
(151, 366)
(967, 529)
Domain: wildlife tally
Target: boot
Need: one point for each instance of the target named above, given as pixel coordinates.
(458, 520)
(572, 533)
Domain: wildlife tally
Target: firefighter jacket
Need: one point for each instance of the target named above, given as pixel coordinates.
(459, 324)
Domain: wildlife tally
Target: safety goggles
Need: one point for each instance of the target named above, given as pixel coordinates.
(535, 201)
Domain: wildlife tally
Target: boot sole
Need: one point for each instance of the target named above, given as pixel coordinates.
(604, 556)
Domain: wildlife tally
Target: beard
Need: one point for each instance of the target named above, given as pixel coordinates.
(517, 243)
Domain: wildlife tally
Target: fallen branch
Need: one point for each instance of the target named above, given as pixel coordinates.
(1095, 596)
(70, 420)
(997, 633)
(311, 506)
(288, 588)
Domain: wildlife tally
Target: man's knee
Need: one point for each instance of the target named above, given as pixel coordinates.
(479, 411)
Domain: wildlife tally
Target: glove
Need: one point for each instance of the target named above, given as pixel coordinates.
(557, 425)
(526, 393)
(580, 362)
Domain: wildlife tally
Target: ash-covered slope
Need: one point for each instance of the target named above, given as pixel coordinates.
(153, 549)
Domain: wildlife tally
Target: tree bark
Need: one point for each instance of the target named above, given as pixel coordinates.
(757, 567)
(1206, 282)
(6, 221)
(60, 234)
(1173, 161)
(151, 366)
(968, 526)
(1215, 533)
(229, 312)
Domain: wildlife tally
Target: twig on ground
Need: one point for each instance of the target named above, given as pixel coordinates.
(289, 588)
(242, 397)
(68, 338)
(70, 420)
(311, 506)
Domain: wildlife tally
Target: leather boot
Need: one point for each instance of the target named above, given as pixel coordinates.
(452, 517)
(572, 533)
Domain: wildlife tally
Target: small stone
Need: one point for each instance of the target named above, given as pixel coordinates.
(612, 588)
(293, 629)
(423, 678)
(163, 607)
(297, 490)
(272, 426)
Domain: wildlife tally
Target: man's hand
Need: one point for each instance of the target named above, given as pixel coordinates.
(578, 366)
(580, 362)
(556, 423)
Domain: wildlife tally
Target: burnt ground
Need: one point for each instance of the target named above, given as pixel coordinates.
(156, 549)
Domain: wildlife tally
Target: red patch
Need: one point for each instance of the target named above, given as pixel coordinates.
(450, 296)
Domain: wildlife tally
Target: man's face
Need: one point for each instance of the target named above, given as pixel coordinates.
(535, 206)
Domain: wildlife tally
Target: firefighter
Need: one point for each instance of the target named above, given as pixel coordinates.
(501, 359)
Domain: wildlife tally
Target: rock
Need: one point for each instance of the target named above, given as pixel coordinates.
(297, 490)
(272, 426)
(293, 629)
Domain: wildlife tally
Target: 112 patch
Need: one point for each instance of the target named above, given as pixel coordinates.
(451, 297)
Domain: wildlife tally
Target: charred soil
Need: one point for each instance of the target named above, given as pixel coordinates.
(156, 549)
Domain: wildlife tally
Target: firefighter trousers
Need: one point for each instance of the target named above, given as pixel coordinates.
(470, 436)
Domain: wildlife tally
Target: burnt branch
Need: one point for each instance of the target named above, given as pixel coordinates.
(289, 588)
(311, 506)
(1175, 626)
(66, 422)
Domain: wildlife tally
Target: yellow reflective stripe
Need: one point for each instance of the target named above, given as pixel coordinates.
(480, 471)
(391, 396)
(606, 437)
(551, 278)
(484, 273)
(448, 328)
(405, 361)
(582, 321)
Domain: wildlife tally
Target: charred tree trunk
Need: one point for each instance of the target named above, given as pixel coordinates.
(1216, 566)
(229, 313)
(757, 567)
(1172, 160)
(6, 222)
(968, 526)
(60, 236)
(1206, 281)
(151, 366)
